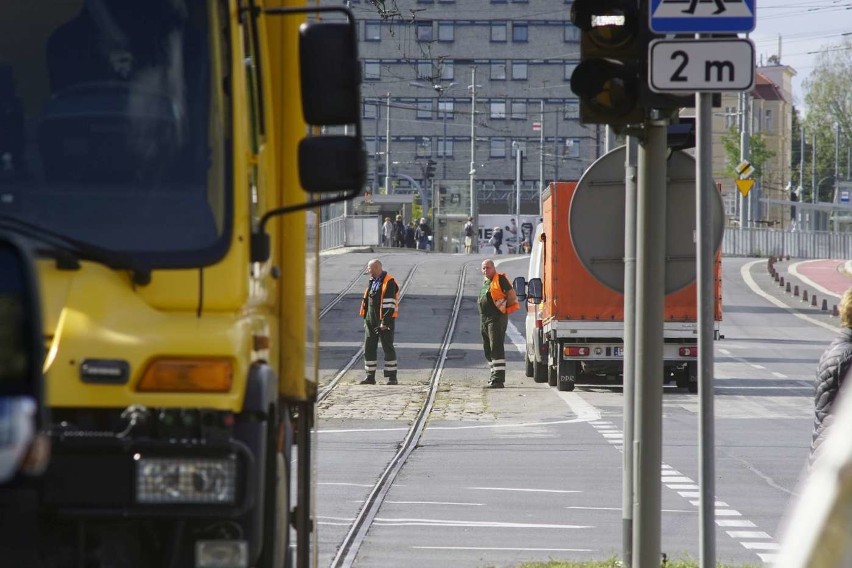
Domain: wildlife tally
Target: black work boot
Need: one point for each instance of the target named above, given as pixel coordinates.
(369, 380)
(391, 377)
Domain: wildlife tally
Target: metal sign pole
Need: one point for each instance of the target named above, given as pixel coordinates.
(704, 187)
(650, 294)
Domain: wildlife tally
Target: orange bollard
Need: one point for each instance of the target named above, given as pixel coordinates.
(787, 289)
(813, 300)
(781, 282)
(776, 277)
(796, 291)
(825, 305)
(804, 295)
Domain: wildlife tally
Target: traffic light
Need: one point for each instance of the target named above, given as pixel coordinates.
(609, 78)
(430, 169)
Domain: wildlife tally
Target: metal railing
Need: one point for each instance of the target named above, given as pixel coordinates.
(796, 244)
(350, 231)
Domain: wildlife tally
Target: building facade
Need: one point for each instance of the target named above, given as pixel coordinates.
(439, 73)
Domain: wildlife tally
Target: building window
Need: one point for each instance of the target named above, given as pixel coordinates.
(424, 108)
(372, 31)
(571, 110)
(446, 107)
(498, 31)
(371, 109)
(424, 31)
(447, 70)
(572, 33)
(423, 148)
(519, 110)
(520, 32)
(449, 152)
(498, 70)
(370, 146)
(372, 71)
(569, 69)
(424, 70)
(498, 109)
(768, 124)
(519, 70)
(498, 148)
(730, 117)
(572, 148)
(446, 31)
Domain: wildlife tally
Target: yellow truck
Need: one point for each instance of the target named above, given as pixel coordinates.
(164, 159)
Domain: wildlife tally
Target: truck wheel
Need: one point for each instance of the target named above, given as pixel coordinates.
(540, 372)
(567, 373)
(530, 367)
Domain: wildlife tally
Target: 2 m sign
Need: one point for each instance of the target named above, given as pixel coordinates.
(701, 65)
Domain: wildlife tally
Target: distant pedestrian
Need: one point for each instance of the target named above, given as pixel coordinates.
(387, 232)
(422, 234)
(469, 232)
(834, 365)
(496, 240)
(379, 308)
(497, 299)
(398, 232)
(409, 236)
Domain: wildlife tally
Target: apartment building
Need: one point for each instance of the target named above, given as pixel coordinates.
(430, 66)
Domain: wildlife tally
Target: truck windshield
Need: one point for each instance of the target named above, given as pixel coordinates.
(113, 128)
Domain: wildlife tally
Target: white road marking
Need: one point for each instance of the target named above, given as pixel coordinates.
(748, 534)
(779, 375)
(735, 523)
(525, 490)
(761, 367)
(504, 548)
(749, 281)
(761, 545)
(794, 270)
(518, 338)
(434, 503)
(347, 484)
(619, 509)
(389, 521)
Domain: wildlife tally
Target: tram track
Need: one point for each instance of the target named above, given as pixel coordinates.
(326, 390)
(355, 537)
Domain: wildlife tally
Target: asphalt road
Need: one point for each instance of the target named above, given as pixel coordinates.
(529, 473)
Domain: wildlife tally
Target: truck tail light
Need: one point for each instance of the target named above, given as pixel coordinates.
(688, 351)
(538, 324)
(188, 375)
(574, 351)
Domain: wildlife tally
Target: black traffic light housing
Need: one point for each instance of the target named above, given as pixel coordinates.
(430, 169)
(611, 79)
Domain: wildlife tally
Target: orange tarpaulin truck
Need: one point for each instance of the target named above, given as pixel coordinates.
(581, 321)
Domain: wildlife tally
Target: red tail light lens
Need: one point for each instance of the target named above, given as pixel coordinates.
(689, 351)
(572, 351)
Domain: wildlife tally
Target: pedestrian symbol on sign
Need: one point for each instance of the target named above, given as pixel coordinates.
(702, 16)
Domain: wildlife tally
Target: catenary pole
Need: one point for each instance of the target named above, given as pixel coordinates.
(387, 150)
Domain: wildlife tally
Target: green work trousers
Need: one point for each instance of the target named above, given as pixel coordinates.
(371, 356)
(493, 329)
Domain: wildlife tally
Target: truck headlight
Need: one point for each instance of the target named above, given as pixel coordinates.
(221, 554)
(186, 480)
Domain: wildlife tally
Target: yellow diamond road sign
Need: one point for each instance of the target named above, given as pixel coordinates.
(745, 169)
(744, 185)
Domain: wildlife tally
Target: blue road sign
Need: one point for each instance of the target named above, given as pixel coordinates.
(702, 16)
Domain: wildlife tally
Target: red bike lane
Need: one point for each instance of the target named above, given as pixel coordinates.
(828, 274)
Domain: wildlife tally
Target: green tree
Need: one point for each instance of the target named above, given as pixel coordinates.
(828, 96)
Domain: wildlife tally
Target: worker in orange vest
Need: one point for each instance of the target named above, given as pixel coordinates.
(379, 308)
(497, 299)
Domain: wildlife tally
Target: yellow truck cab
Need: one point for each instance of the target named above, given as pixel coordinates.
(160, 156)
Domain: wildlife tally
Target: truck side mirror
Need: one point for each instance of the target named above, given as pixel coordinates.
(534, 290)
(21, 356)
(520, 286)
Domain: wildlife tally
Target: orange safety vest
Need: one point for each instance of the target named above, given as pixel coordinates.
(389, 303)
(499, 297)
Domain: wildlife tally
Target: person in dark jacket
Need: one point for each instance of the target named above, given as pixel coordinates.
(409, 236)
(833, 367)
(422, 234)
